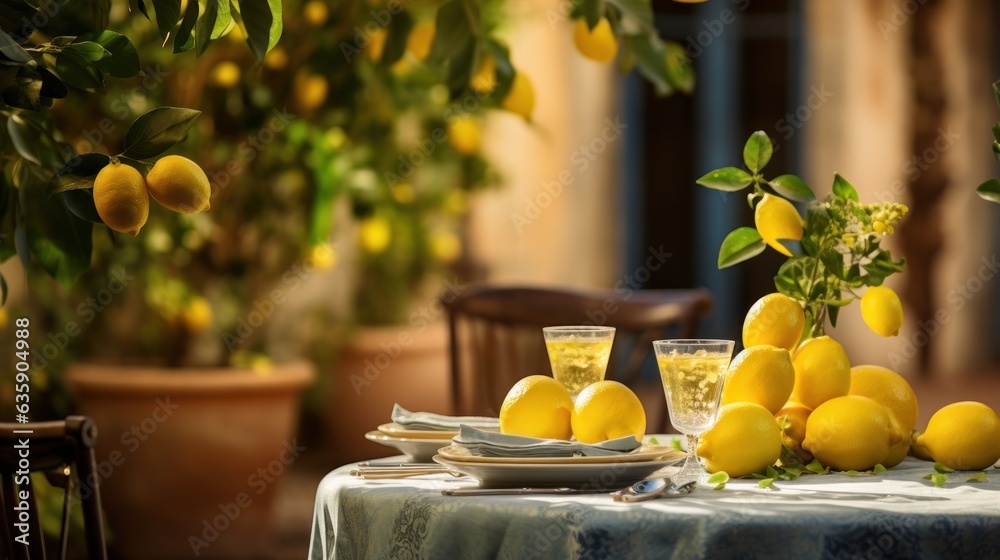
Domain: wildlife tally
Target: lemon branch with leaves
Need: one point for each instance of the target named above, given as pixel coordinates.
(838, 249)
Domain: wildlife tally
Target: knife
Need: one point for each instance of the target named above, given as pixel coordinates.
(398, 465)
(519, 491)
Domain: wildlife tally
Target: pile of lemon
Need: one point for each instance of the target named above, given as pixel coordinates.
(539, 406)
(807, 397)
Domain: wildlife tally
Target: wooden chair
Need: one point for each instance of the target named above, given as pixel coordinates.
(64, 451)
(496, 337)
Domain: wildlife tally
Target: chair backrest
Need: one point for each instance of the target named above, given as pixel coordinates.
(496, 339)
(64, 451)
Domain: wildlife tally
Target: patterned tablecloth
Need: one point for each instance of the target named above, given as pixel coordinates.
(896, 514)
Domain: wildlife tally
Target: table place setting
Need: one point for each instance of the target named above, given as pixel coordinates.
(420, 434)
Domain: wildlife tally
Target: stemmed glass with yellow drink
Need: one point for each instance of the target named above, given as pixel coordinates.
(693, 373)
(578, 354)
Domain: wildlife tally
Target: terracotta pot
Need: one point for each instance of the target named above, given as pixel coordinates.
(381, 366)
(189, 459)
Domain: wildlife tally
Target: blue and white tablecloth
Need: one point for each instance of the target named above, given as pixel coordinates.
(896, 514)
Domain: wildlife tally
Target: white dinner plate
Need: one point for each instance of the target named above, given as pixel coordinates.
(609, 475)
(643, 453)
(420, 450)
(395, 430)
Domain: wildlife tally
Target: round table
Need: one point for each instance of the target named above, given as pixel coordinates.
(896, 514)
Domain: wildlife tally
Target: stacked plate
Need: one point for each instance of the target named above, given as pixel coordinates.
(597, 473)
(419, 445)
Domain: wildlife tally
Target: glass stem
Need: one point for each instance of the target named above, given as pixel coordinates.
(692, 445)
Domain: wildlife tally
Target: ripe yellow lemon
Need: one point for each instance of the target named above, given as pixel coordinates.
(890, 390)
(485, 78)
(178, 184)
(310, 91)
(121, 198)
(963, 435)
(744, 440)
(776, 218)
(197, 315)
(850, 433)
(315, 12)
(418, 44)
(792, 419)
(822, 372)
(774, 319)
(607, 410)
(760, 374)
(465, 135)
(917, 450)
(226, 74)
(520, 99)
(882, 310)
(374, 234)
(537, 406)
(598, 43)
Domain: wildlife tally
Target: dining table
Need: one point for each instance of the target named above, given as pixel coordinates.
(898, 513)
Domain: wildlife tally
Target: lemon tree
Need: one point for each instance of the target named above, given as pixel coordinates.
(837, 250)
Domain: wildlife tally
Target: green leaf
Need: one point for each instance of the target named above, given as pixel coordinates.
(851, 472)
(680, 71)
(141, 5)
(12, 50)
(843, 189)
(206, 24)
(121, 60)
(791, 187)
(156, 131)
(59, 240)
(81, 203)
(978, 477)
(943, 469)
(593, 11)
(996, 150)
(939, 479)
(996, 91)
(879, 469)
(996, 131)
(184, 40)
(767, 483)
(24, 138)
(452, 32)
(52, 86)
(79, 72)
(741, 244)
(3, 288)
(167, 14)
(729, 179)
(78, 173)
(651, 58)
(676, 444)
(816, 467)
(87, 50)
(395, 43)
(636, 15)
(504, 69)
(719, 479)
(757, 151)
(654, 441)
(833, 312)
(990, 190)
(771, 472)
(263, 22)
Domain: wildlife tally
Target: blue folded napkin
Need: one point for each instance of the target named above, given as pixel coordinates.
(440, 422)
(495, 444)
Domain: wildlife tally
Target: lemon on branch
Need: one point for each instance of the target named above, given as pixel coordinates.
(598, 43)
(120, 198)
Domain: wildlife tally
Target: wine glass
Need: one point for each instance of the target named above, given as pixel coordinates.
(578, 354)
(693, 372)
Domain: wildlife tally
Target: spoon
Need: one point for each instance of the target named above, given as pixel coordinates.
(653, 488)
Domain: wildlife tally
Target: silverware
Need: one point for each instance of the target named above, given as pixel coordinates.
(386, 472)
(517, 491)
(653, 488)
(396, 464)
